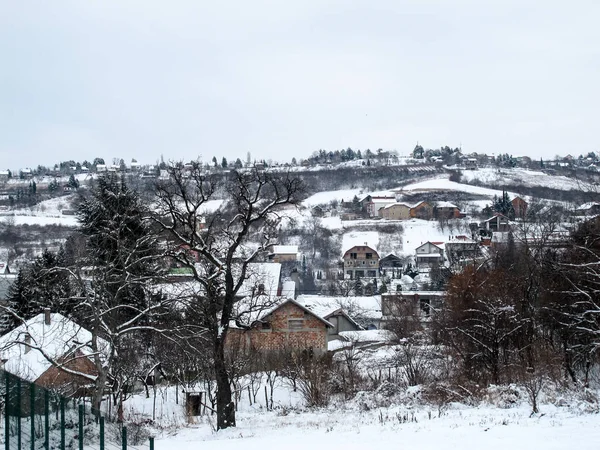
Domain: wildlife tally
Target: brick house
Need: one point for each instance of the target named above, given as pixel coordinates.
(446, 210)
(286, 326)
(37, 349)
(361, 261)
(395, 211)
(330, 309)
(520, 207)
(422, 210)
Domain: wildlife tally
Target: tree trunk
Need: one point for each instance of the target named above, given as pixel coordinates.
(225, 405)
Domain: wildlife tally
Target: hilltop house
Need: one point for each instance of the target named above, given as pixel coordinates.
(461, 250)
(422, 210)
(372, 204)
(520, 207)
(429, 254)
(395, 211)
(361, 261)
(287, 325)
(42, 346)
(446, 210)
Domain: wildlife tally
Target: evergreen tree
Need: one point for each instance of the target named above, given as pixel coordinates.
(214, 161)
(224, 163)
(238, 164)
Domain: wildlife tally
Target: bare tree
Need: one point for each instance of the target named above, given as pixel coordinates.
(218, 247)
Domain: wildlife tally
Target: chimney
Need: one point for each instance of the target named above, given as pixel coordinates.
(46, 316)
(27, 343)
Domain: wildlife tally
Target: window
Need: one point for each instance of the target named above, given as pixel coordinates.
(371, 273)
(369, 255)
(359, 273)
(295, 324)
(353, 255)
(266, 326)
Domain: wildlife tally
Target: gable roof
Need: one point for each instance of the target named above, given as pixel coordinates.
(274, 308)
(324, 307)
(361, 245)
(61, 337)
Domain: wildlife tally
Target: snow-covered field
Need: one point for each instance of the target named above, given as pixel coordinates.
(506, 177)
(476, 429)
(444, 184)
(360, 424)
(44, 213)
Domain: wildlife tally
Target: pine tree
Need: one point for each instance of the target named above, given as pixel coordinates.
(224, 163)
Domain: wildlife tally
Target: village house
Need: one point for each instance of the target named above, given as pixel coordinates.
(283, 253)
(329, 308)
(420, 303)
(361, 261)
(461, 250)
(4, 175)
(589, 209)
(470, 163)
(36, 350)
(422, 210)
(497, 223)
(372, 204)
(446, 210)
(395, 211)
(429, 254)
(520, 207)
(287, 326)
(391, 266)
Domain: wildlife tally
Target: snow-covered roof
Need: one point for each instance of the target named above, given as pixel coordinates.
(285, 249)
(261, 277)
(357, 307)
(587, 206)
(53, 341)
(391, 205)
(257, 314)
(445, 205)
(323, 307)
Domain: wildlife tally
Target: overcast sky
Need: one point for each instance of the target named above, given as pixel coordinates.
(144, 78)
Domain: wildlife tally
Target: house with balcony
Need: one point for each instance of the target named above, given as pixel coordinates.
(429, 254)
(361, 261)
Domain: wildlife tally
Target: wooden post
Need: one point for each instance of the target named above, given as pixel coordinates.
(266, 398)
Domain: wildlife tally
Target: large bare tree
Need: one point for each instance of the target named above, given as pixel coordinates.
(217, 246)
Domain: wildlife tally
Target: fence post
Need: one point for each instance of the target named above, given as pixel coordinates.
(101, 432)
(19, 441)
(81, 427)
(47, 419)
(62, 423)
(151, 442)
(6, 412)
(32, 414)
(124, 438)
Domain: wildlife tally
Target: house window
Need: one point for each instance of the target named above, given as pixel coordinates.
(359, 273)
(371, 273)
(369, 255)
(349, 273)
(295, 324)
(353, 255)
(425, 306)
(266, 326)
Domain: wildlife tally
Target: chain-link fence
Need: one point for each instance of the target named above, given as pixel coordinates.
(37, 418)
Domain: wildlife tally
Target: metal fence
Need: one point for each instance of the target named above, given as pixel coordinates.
(37, 418)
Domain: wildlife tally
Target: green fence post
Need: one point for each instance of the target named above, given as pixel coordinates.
(101, 432)
(32, 415)
(124, 438)
(80, 427)
(62, 423)
(19, 440)
(151, 442)
(47, 419)
(7, 412)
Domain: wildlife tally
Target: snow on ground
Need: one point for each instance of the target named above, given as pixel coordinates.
(66, 221)
(48, 208)
(348, 426)
(417, 232)
(353, 238)
(508, 177)
(444, 184)
(325, 197)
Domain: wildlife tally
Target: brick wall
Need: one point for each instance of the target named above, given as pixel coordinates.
(282, 334)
